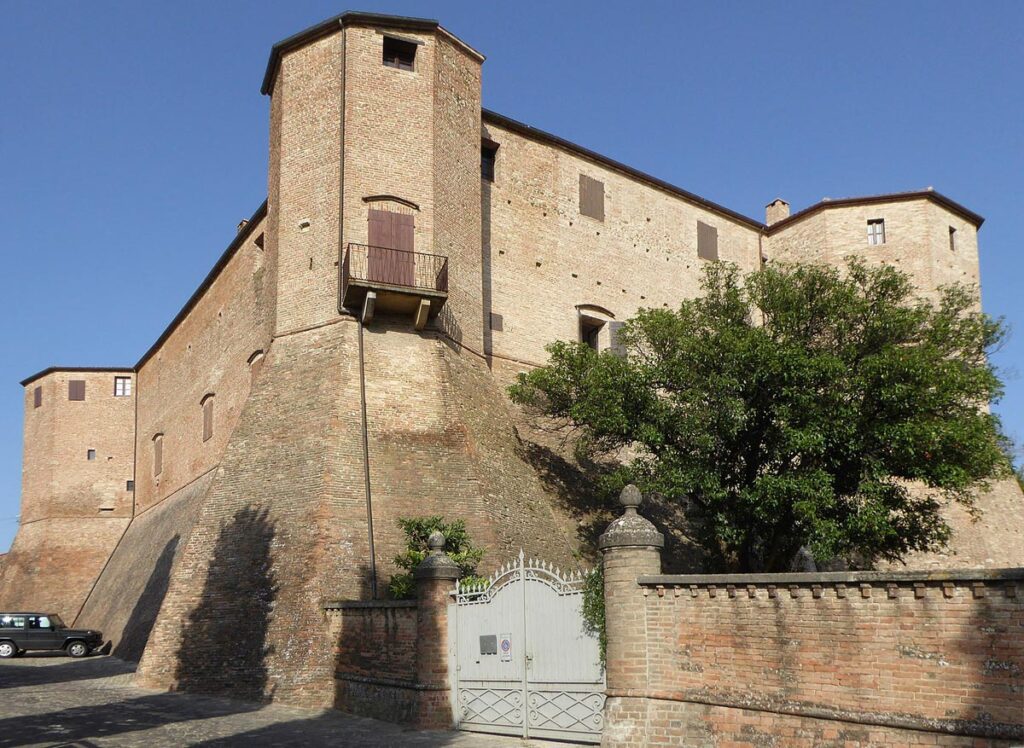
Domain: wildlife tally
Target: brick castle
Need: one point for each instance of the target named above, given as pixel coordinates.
(344, 362)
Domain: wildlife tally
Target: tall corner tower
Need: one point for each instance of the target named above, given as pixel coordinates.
(375, 172)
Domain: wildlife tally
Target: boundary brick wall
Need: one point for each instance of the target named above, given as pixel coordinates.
(879, 658)
(375, 657)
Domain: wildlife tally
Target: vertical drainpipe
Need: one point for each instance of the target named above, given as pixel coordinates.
(366, 463)
(359, 321)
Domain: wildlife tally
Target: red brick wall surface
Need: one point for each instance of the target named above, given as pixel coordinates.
(884, 657)
(375, 659)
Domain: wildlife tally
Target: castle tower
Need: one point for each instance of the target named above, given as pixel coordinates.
(77, 486)
(374, 173)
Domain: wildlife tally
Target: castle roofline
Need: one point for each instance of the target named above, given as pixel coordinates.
(892, 197)
(353, 18)
(82, 369)
(222, 262)
(536, 134)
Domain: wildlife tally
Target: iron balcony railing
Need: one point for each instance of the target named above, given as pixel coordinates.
(367, 265)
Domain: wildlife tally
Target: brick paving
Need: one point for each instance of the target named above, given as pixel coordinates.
(56, 701)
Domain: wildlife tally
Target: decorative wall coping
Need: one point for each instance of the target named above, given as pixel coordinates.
(364, 604)
(834, 577)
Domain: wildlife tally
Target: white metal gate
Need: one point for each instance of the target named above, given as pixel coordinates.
(525, 663)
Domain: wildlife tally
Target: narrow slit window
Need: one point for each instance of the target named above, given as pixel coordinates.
(207, 417)
(122, 386)
(399, 53)
(37, 397)
(876, 231)
(158, 454)
(488, 156)
(952, 239)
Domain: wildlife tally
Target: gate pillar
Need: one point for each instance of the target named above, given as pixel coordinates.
(435, 580)
(631, 547)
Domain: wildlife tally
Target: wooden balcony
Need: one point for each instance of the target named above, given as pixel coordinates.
(382, 279)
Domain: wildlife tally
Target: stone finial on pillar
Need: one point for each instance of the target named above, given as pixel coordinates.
(631, 530)
(631, 548)
(435, 578)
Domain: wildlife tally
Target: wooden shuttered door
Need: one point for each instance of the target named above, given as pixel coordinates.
(76, 389)
(37, 397)
(207, 418)
(707, 241)
(390, 258)
(591, 197)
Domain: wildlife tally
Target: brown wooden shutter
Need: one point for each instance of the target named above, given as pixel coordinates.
(616, 346)
(37, 397)
(707, 241)
(76, 389)
(591, 197)
(381, 229)
(158, 454)
(207, 418)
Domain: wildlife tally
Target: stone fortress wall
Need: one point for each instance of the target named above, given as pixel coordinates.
(253, 399)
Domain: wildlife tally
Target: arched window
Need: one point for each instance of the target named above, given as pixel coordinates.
(207, 405)
(158, 454)
(599, 329)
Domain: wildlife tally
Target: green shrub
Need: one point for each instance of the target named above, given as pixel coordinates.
(457, 545)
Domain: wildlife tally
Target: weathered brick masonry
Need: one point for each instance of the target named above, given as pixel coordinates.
(244, 429)
(870, 658)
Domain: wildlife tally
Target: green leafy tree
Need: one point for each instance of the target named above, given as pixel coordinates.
(457, 545)
(798, 406)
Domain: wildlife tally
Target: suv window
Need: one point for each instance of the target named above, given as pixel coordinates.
(39, 622)
(12, 622)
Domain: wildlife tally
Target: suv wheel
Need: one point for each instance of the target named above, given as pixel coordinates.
(78, 649)
(7, 649)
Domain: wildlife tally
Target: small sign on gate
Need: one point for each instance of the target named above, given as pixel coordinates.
(506, 647)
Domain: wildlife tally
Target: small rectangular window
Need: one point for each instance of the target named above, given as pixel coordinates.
(399, 53)
(952, 239)
(488, 155)
(129, 485)
(158, 454)
(707, 241)
(591, 197)
(90, 455)
(590, 331)
(876, 231)
(37, 397)
(76, 389)
(497, 322)
(207, 418)
(122, 386)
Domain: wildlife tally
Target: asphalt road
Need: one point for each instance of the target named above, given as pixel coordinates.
(56, 701)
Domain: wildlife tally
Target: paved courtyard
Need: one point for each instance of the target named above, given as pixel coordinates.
(55, 701)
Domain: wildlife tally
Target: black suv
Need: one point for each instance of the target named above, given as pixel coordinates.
(20, 632)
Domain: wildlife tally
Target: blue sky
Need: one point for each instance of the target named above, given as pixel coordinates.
(133, 137)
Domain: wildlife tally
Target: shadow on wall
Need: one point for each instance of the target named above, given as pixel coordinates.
(143, 616)
(578, 486)
(224, 643)
(485, 266)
